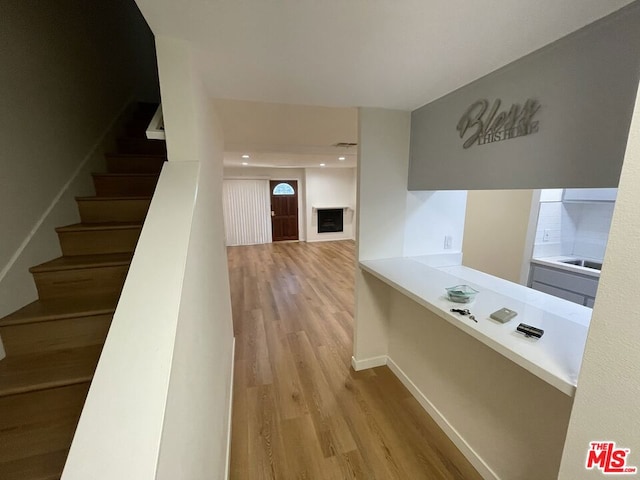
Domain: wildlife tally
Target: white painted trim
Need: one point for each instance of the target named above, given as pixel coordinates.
(155, 129)
(467, 450)
(368, 362)
(227, 471)
(62, 191)
(338, 207)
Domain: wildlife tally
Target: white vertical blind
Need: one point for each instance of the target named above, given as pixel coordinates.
(247, 211)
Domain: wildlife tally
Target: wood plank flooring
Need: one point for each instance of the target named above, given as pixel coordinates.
(300, 411)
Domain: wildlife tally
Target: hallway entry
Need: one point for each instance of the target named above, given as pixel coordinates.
(284, 210)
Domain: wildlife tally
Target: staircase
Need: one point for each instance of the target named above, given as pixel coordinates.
(54, 343)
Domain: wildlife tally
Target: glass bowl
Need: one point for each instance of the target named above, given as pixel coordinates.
(461, 293)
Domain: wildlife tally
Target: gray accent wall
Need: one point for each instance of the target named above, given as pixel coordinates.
(585, 84)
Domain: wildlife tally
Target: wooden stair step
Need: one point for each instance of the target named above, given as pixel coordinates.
(141, 146)
(38, 422)
(113, 209)
(125, 184)
(60, 334)
(83, 262)
(61, 308)
(135, 163)
(85, 275)
(44, 370)
(46, 466)
(97, 238)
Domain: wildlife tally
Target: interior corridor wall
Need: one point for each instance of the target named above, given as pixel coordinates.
(195, 441)
(606, 405)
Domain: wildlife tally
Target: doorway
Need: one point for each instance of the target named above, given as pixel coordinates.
(284, 210)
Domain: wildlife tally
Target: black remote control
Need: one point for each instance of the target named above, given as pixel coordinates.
(530, 331)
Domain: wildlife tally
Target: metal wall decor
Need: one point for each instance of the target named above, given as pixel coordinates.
(488, 126)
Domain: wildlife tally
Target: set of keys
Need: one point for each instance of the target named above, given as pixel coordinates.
(464, 312)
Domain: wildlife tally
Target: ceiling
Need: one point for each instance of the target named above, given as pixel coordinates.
(398, 54)
(279, 135)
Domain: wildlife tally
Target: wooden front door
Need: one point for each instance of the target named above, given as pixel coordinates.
(284, 210)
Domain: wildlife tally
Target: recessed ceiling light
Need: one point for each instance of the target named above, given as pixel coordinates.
(245, 156)
(245, 163)
(342, 158)
(322, 164)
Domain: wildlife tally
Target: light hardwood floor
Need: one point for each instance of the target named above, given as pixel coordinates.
(299, 410)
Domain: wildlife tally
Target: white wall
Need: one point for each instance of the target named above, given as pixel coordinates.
(495, 232)
(383, 162)
(326, 188)
(296, 174)
(383, 166)
(68, 69)
(196, 432)
(160, 402)
(592, 224)
(573, 229)
(430, 216)
(606, 405)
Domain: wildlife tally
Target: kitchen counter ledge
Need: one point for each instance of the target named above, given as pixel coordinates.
(557, 262)
(554, 358)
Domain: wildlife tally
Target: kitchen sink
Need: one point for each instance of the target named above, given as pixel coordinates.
(584, 263)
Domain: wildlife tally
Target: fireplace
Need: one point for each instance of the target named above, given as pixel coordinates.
(330, 220)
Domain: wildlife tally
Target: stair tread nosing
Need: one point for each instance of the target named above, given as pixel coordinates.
(83, 261)
(110, 199)
(61, 308)
(93, 227)
(39, 371)
(155, 156)
(124, 174)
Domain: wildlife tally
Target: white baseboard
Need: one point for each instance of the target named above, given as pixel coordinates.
(467, 450)
(368, 362)
(230, 414)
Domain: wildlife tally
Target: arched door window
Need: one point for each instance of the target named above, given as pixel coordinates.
(283, 189)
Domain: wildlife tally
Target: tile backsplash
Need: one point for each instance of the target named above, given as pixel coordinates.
(573, 229)
(593, 221)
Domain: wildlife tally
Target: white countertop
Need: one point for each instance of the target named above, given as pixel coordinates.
(555, 358)
(556, 262)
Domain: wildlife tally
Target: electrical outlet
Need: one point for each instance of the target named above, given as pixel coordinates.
(448, 240)
(545, 236)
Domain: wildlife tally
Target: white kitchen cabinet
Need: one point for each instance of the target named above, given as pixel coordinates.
(575, 287)
(590, 195)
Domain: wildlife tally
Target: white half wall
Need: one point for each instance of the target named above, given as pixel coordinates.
(160, 401)
(330, 187)
(496, 412)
